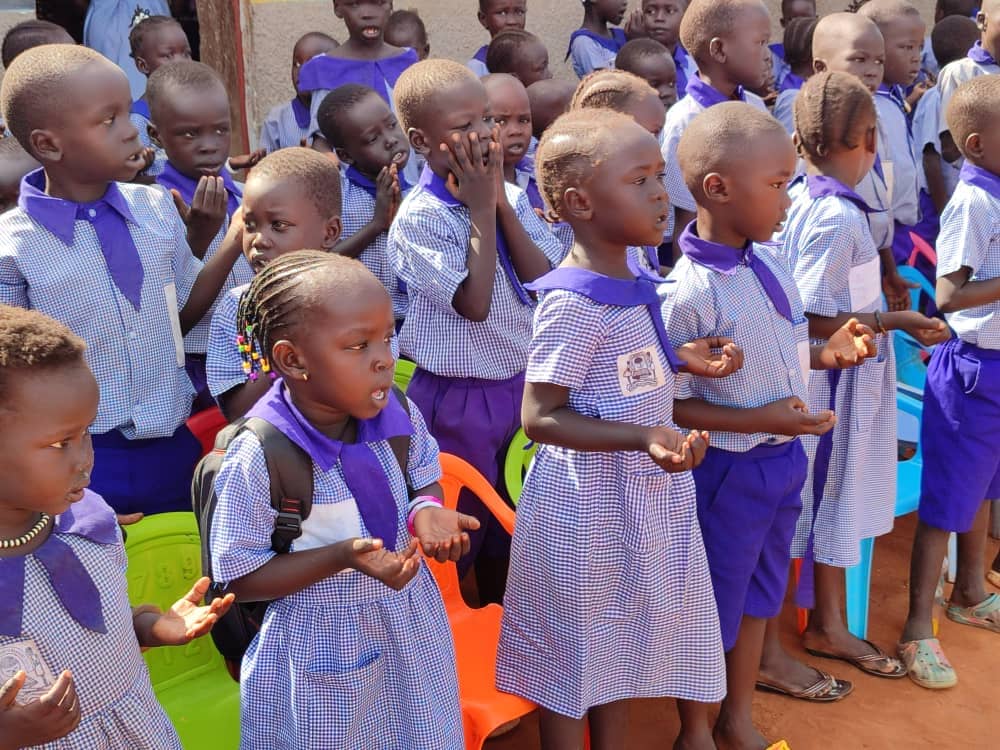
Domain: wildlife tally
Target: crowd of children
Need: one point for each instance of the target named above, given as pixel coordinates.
(680, 277)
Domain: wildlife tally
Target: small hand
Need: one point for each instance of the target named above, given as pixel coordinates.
(849, 346)
(790, 416)
(386, 197)
(394, 569)
(188, 618)
(635, 25)
(928, 331)
(918, 91)
(49, 718)
(897, 291)
(127, 519)
(671, 450)
(698, 442)
(712, 357)
(472, 178)
(245, 161)
(444, 533)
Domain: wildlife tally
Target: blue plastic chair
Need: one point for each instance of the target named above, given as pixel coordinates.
(911, 366)
(909, 407)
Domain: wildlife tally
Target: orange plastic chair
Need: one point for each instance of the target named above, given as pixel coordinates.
(476, 631)
(205, 425)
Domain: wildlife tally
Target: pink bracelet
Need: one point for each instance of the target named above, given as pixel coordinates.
(417, 504)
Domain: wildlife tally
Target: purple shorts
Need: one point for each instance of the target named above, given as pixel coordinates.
(960, 435)
(748, 505)
(475, 420)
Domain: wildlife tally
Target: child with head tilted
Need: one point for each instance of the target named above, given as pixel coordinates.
(291, 201)
(369, 142)
(850, 492)
(790, 11)
(190, 120)
(609, 596)
(356, 632)
(661, 21)
(406, 29)
(464, 242)
(981, 59)
(651, 61)
(797, 53)
(111, 262)
(728, 40)
(520, 54)
(154, 41)
(72, 673)
(496, 16)
(961, 399)
(597, 41)
(737, 161)
(365, 57)
(288, 124)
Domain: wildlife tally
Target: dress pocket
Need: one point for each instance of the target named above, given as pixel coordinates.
(343, 707)
(869, 384)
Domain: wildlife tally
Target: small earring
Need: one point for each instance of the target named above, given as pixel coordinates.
(305, 376)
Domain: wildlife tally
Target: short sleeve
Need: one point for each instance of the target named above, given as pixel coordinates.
(429, 254)
(269, 134)
(13, 286)
(680, 196)
(540, 232)
(588, 56)
(926, 121)
(244, 519)
(824, 257)
(568, 329)
(224, 366)
(423, 465)
(967, 227)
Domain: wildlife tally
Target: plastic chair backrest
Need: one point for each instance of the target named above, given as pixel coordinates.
(921, 247)
(404, 372)
(520, 455)
(909, 407)
(205, 425)
(164, 560)
(911, 274)
(457, 474)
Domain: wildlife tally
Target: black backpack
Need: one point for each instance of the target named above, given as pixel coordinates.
(291, 473)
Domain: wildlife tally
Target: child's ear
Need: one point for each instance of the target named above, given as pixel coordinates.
(418, 141)
(141, 65)
(981, 21)
(287, 361)
(345, 158)
(973, 146)
(819, 65)
(482, 19)
(154, 135)
(717, 49)
(331, 232)
(871, 141)
(576, 203)
(715, 187)
(45, 146)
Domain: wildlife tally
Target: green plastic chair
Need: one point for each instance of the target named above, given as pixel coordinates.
(520, 454)
(191, 682)
(404, 371)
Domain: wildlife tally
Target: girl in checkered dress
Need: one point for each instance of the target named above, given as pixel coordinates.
(355, 650)
(609, 596)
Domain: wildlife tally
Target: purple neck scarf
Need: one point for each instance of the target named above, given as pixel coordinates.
(436, 186)
(980, 55)
(363, 473)
(821, 186)
(981, 178)
(140, 107)
(481, 54)
(72, 584)
(527, 167)
(615, 43)
(791, 82)
(356, 178)
(725, 259)
(680, 63)
(708, 96)
(605, 290)
(170, 178)
(110, 217)
(301, 114)
(324, 72)
(897, 96)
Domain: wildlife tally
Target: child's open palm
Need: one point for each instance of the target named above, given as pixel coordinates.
(188, 619)
(49, 718)
(206, 213)
(444, 533)
(712, 357)
(675, 452)
(849, 346)
(394, 569)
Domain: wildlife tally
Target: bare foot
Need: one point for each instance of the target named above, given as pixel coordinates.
(738, 735)
(695, 741)
(780, 668)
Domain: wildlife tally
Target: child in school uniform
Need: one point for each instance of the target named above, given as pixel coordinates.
(597, 41)
(961, 400)
(154, 41)
(106, 30)
(850, 490)
(511, 111)
(373, 152)
(110, 261)
(496, 16)
(291, 201)
(520, 54)
(464, 242)
(980, 60)
(549, 98)
(406, 29)
(797, 51)
(651, 61)
(71, 671)
(609, 597)
(288, 124)
(15, 163)
(191, 122)
(355, 649)
(852, 43)
(737, 161)
(790, 10)
(661, 20)
(728, 40)
(364, 58)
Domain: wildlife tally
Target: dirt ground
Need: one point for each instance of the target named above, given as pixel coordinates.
(880, 714)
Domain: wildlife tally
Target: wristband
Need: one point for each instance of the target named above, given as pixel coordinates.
(417, 504)
(879, 324)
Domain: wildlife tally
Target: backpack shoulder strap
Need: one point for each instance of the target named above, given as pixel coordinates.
(401, 443)
(291, 472)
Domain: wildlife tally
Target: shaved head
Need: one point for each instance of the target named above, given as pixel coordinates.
(835, 30)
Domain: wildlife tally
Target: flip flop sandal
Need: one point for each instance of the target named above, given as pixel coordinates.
(984, 615)
(779, 745)
(868, 663)
(826, 689)
(926, 663)
(993, 576)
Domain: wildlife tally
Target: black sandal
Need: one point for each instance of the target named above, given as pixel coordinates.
(826, 689)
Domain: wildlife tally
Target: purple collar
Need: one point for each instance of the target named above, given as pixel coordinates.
(324, 72)
(791, 82)
(481, 54)
(69, 578)
(436, 186)
(277, 408)
(981, 178)
(527, 167)
(58, 215)
(980, 55)
(140, 107)
(615, 43)
(708, 96)
(301, 113)
(820, 186)
(680, 64)
(170, 178)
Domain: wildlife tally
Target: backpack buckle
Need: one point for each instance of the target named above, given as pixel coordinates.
(288, 524)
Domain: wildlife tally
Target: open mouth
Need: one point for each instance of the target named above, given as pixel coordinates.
(209, 170)
(135, 159)
(400, 158)
(379, 395)
(371, 32)
(257, 262)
